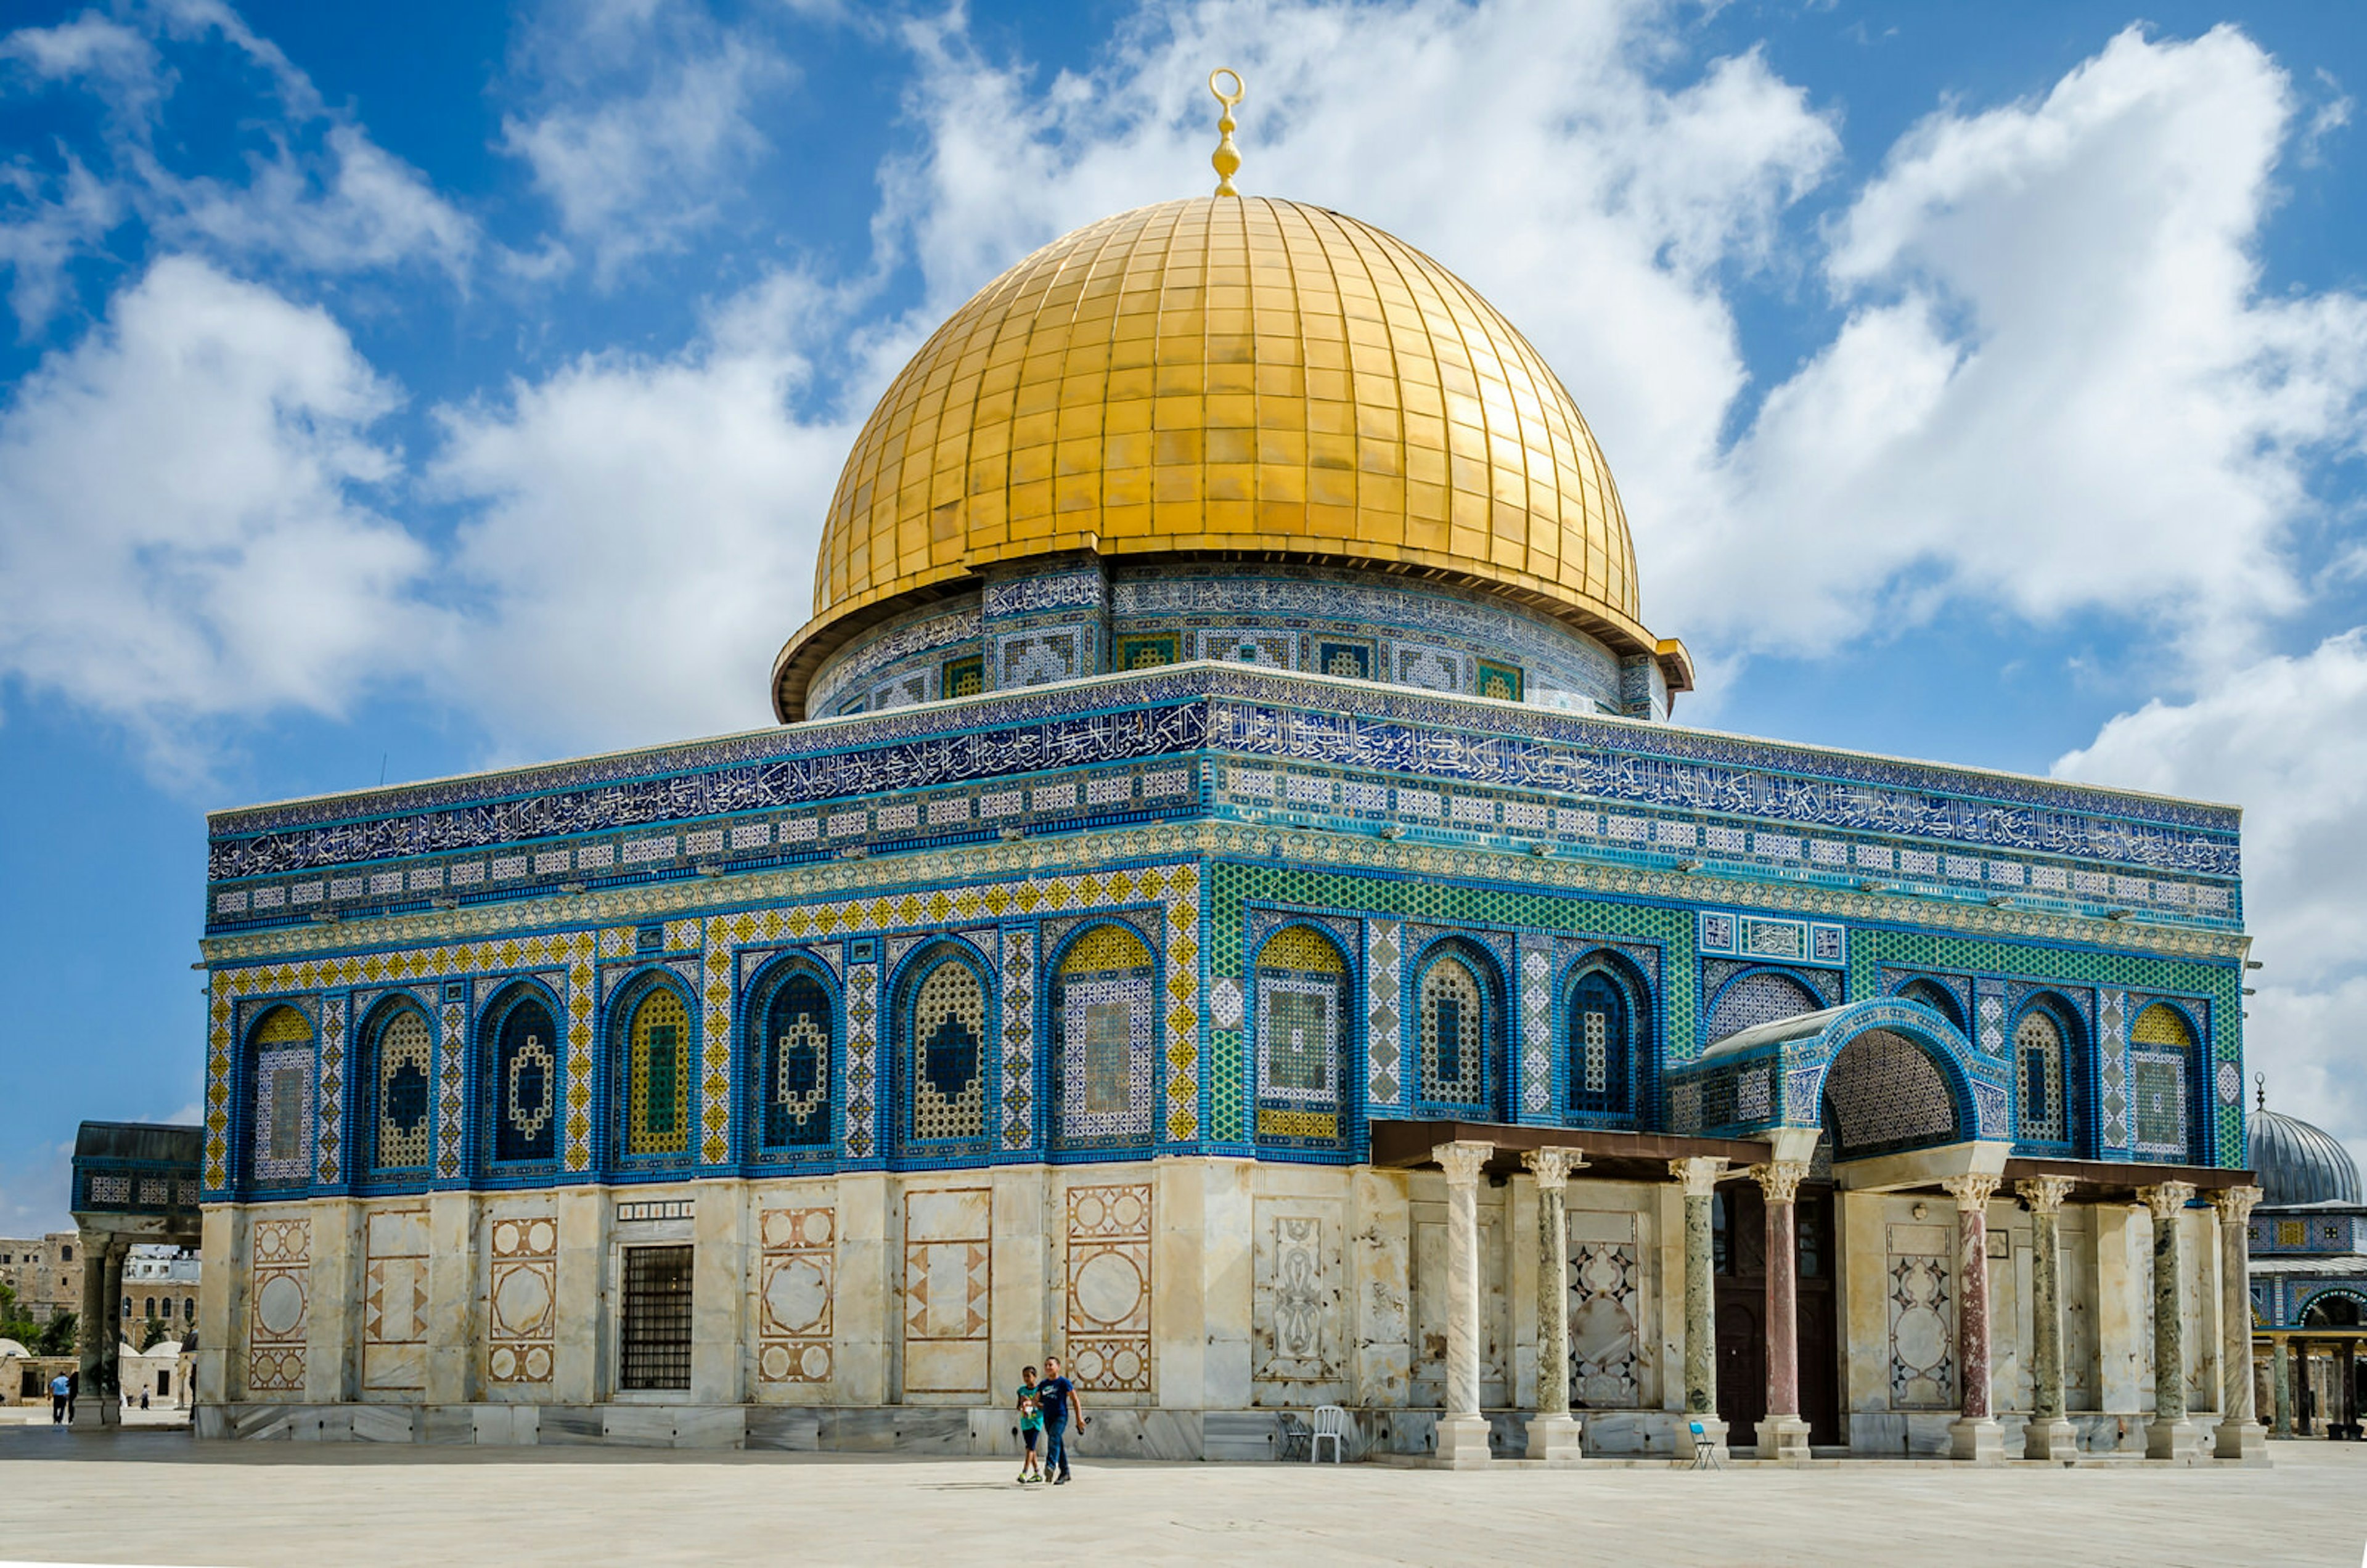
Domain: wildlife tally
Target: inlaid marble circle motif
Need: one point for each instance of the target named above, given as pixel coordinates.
(797, 1295)
(1108, 1288)
(522, 1302)
(279, 1304)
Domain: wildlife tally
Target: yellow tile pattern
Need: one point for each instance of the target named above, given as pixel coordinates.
(1302, 948)
(1228, 375)
(2162, 1024)
(1106, 947)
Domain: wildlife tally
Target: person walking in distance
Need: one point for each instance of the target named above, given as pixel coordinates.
(58, 1387)
(1059, 1399)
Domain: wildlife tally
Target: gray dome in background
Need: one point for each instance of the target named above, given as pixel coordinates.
(2296, 1163)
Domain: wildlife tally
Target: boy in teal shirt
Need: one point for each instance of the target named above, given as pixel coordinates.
(1031, 1424)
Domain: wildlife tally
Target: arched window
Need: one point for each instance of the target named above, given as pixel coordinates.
(1938, 997)
(657, 1072)
(1301, 978)
(402, 1068)
(1103, 997)
(2161, 1047)
(946, 1043)
(1599, 1044)
(1454, 1018)
(799, 1029)
(2038, 1079)
(281, 1147)
(522, 1080)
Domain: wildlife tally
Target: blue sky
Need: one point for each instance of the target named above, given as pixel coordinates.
(392, 391)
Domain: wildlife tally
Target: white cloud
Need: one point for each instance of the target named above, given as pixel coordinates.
(644, 532)
(185, 528)
(647, 118)
(355, 207)
(2060, 388)
(2286, 738)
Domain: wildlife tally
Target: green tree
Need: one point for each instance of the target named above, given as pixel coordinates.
(57, 1337)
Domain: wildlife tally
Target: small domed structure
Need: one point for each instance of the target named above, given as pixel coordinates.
(2297, 1163)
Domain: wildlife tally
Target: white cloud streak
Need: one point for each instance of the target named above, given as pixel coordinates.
(319, 195)
(646, 120)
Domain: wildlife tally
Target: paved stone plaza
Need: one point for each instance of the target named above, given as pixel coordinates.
(156, 1497)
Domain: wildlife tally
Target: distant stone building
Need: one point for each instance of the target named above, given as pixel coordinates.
(160, 1285)
(45, 1273)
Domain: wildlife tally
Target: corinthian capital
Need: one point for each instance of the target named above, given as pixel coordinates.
(1971, 1190)
(2235, 1204)
(1462, 1161)
(1699, 1173)
(1552, 1167)
(2045, 1194)
(2167, 1199)
(1779, 1179)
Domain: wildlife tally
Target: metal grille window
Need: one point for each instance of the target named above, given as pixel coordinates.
(655, 1347)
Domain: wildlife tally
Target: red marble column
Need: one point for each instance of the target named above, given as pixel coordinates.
(1783, 1312)
(1779, 1182)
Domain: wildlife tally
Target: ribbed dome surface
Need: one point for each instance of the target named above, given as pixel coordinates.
(2296, 1163)
(1226, 376)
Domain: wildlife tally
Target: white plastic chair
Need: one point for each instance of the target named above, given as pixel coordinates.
(1330, 1421)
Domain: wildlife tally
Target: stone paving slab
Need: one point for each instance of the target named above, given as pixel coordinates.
(151, 1495)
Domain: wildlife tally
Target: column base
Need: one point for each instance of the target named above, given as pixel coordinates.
(2243, 1441)
(2178, 1442)
(2057, 1442)
(1555, 1440)
(1783, 1437)
(1976, 1439)
(1462, 1442)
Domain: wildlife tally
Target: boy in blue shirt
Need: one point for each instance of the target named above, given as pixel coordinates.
(1059, 1397)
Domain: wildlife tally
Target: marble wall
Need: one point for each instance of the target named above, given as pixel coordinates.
(1231, 1295)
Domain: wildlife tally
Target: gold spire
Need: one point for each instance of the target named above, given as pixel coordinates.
(1227, 157)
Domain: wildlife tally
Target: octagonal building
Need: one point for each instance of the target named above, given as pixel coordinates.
(1227, 903)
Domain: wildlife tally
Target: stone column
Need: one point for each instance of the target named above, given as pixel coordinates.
(92, 1334)
(2241, 1436)
(2170, 1435)
(2303, 1401)
(1554, 1433)
(1975, 1435)
(1699, 1175)
(2049, 1436)
(2346, 1382)
(1462, 1430)
(2281, 1388)
(111, 1347)
(1783, 1434)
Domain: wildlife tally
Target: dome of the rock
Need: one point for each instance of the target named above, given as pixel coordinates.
(1226, 379)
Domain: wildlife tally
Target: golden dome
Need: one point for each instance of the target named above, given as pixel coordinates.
(1225, 376)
